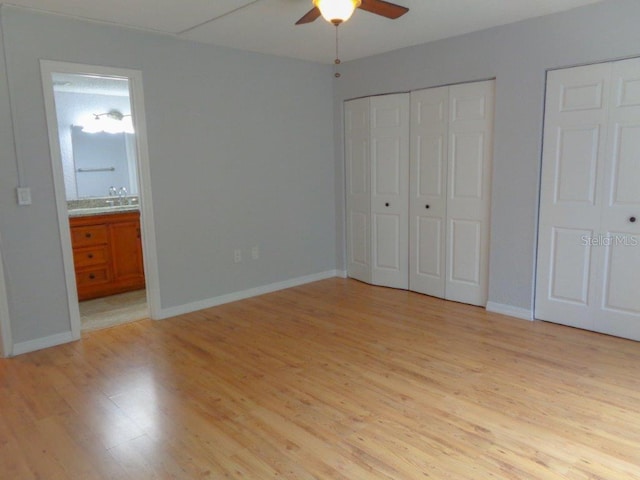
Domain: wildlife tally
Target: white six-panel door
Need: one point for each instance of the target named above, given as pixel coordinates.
(390, 190)
(428, 190)
(451, 153)
(468, 191)
(358, 186)
(424, 226)
(589, 239)
(570, 199)
(620, 216)
(377, 180)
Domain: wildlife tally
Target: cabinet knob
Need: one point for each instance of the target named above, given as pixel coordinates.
(386, 204)
(92, 276)
(632, 219)
(427, 206)
(87, 235)
(90, 255)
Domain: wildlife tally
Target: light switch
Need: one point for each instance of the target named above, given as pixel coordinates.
(24, 196)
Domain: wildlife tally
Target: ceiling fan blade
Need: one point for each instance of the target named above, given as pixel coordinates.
(309, 17)
(386, 9)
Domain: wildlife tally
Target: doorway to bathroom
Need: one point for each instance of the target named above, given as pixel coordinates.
(96, 125)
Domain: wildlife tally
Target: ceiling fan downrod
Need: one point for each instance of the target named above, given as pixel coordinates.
(337, 61)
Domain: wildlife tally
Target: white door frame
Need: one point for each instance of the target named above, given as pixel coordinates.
(47, 68)
(6, 341)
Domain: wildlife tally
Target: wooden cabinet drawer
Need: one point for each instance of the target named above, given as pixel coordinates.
(107, 254)
(89, 235)
(97, 276)
(87, 256)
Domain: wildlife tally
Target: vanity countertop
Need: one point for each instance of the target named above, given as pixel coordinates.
(102, 206)
(84, 212)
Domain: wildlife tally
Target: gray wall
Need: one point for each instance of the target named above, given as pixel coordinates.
(241, 149)
(518, 56)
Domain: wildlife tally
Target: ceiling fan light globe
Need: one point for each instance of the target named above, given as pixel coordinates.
(337, 11)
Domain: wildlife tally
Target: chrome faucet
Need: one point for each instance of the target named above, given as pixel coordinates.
(122, 195)
(113, 192)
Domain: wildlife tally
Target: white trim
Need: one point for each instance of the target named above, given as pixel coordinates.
(148, 233)
(341, 274)
(517, 312)
(241, 295)
(152, 277)
(5, 323)
(40, 343)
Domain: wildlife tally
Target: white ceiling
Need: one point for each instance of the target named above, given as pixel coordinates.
(267, 26)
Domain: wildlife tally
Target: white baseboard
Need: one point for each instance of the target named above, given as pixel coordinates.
(66, 337)
(341, 273)
(44, 342)
(523, 313)
(241, 295)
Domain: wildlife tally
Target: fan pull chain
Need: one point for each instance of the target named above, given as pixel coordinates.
(337, 60)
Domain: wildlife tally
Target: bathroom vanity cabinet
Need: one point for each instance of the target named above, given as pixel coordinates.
(107, 254)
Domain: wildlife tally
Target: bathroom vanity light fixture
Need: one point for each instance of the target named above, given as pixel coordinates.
(113, 121)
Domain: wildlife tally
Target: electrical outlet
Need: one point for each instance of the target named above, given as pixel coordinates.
(237, 255)
(255, 253)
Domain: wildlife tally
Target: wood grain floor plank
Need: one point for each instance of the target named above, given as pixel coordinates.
(331, 380)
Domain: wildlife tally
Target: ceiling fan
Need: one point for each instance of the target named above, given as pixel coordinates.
(339, 11)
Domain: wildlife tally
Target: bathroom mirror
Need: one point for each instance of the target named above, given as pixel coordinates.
(101, 161)
(97, 141)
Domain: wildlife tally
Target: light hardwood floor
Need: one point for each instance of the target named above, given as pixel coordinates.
(331, 380)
